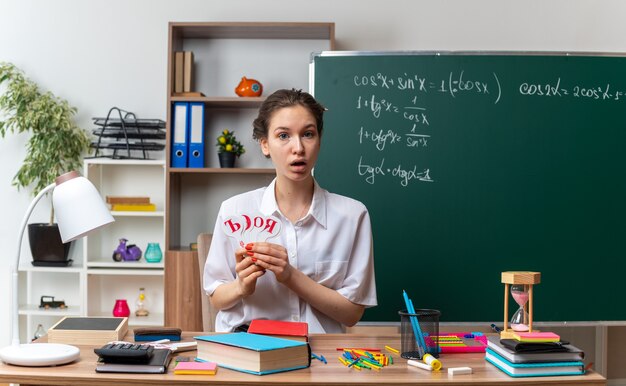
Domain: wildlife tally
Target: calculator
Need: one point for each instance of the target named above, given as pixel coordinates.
(124, 352)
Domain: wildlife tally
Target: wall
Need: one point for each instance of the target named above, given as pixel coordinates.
(99, 54)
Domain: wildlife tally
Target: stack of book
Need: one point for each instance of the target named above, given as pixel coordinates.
(533, 358)
(184, 74)
(130, 204)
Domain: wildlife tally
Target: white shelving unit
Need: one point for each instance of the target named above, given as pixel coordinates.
(63, 283)
(90, 286)
(106, 279)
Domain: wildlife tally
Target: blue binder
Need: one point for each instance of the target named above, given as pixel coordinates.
(196, 135)
(180, 145)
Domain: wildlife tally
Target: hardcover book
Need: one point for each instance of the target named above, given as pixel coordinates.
(157, 365)
(80, 330)
(570, 353)
(280, 329)
(254, 354)
(545, 369)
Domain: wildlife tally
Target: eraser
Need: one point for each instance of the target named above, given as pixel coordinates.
(421, 365)
(459, 370)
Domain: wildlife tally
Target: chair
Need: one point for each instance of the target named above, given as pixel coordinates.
(208, 311)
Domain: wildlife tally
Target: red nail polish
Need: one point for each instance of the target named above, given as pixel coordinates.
(249, 246)
(250, 253)
(253, 259)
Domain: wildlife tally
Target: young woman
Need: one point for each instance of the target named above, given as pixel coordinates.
(320, 268)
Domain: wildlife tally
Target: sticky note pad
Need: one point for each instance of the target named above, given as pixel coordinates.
(536, 336)
(209, 368)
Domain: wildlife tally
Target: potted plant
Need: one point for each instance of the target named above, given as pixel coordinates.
(56, 146)
(228, 149)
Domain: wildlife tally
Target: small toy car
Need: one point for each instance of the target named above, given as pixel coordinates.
(49, 302)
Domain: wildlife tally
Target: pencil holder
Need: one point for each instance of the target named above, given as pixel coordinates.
(424, 321)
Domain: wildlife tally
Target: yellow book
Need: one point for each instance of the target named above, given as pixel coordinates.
(133, 207)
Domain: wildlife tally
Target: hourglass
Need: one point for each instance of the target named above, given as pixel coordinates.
(519, 321)
(521, 288)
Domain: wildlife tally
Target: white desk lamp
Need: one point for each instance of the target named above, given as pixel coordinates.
(79, 209)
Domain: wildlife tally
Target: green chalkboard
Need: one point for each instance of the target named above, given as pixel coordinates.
(474, 164)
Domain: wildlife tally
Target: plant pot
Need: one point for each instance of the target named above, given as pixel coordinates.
(227, 159)
(45, 243)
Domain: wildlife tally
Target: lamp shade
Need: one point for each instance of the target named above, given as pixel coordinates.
(78, 206)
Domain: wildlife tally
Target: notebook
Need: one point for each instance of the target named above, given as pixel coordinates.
(545, 369)
(280, 329)
(157, 365)
(569, 353)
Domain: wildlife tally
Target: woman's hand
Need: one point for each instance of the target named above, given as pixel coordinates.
(272, 257)
(247, 273)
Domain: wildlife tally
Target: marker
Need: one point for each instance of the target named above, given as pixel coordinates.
(161, 341)
(421, 365)
(496, 328)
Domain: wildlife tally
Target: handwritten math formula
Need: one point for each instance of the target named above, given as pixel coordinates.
(456, 83)
(558, 89)
(400, 115)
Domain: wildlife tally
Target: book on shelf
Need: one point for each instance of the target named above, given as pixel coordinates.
(188, 94)
(566, 353)
(157, 364)
(87, 330)
(207, 368)
(133, 207)
(127, 200)
(252, 353)
(536, 336)
(280, 329)
(543, 369)
(178, 71)
(188, 71)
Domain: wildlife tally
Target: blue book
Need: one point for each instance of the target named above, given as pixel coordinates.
(252, 353)
(543, 369)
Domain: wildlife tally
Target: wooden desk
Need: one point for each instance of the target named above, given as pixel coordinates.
(334, 373)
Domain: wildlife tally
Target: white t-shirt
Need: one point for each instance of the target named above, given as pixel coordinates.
(332, 245)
